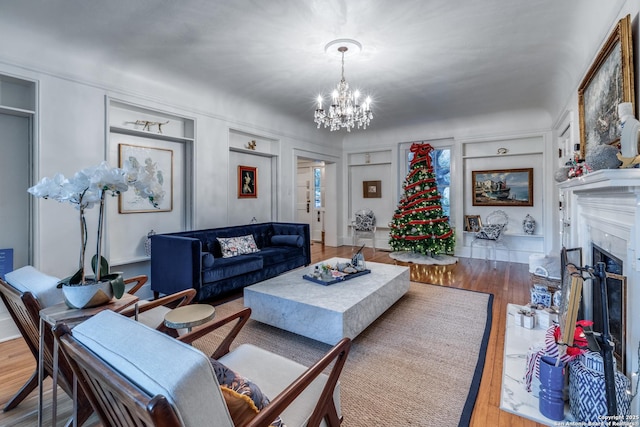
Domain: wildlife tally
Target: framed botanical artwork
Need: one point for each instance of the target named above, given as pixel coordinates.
(472, 223)
(371, 189)
(608, 82)
(157, 164)
(247, 182)
(503, 187)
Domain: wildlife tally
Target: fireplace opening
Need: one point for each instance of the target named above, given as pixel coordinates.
(617, 302)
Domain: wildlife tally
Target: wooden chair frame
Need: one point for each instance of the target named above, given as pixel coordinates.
(24, 309)
(119, 402)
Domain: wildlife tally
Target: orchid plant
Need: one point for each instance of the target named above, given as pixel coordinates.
(88, 188)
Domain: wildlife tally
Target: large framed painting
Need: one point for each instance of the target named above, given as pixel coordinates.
(158, 167)
(608, 82)
(503, 187)
(247, 182)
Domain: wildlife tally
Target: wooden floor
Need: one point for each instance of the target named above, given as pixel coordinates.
(509, 283)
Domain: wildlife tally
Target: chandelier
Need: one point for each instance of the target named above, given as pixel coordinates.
(345, 110)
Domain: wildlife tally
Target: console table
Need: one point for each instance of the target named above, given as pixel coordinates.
(514, 397)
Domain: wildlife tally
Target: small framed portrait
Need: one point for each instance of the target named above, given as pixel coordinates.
(371, 189)
(247, 182)
(472, 223)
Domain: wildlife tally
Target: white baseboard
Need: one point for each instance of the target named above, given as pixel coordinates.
(8, 330)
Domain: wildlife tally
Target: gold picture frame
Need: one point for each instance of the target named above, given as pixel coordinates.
(472, 223)
(502, 187)
(247, 182)
(608, 82)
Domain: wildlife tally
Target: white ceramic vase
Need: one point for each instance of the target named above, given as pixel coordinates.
(87, 295)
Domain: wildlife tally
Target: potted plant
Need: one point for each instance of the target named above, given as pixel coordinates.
(88, 188)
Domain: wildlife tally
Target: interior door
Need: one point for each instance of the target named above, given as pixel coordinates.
(14, 170)
(303, 195)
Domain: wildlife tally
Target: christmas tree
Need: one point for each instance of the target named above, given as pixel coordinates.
(419, 224)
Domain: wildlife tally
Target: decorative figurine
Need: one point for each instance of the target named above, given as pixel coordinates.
(529, 224)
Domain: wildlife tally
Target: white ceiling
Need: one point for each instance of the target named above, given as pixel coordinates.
(422, 60)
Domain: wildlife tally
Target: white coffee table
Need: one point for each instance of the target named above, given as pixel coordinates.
(327, 313)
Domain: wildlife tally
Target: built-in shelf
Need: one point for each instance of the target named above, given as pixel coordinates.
(484, 156)
(370, 164)
(16, 111)
(147, 134)
(253, 152)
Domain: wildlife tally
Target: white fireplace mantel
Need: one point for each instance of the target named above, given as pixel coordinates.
(603, 208)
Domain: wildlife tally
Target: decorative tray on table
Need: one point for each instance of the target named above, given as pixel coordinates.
(336, 276)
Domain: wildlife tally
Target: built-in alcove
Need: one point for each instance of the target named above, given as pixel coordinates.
(374, 167)
(249, 150)
(505, 153)
(161, 136)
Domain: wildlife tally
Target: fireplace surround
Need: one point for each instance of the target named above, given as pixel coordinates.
(601, 210)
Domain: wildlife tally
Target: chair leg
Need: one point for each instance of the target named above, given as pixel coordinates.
(26, 389)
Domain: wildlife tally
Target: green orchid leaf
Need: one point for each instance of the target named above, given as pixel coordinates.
(104, 265)
(117, 283)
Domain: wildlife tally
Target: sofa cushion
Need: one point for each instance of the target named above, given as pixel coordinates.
(234, 246)
(42, 286)
(287, 240)
(243, 397)
(273, 255)
(490, 232)
(179, 372)
(231, 267)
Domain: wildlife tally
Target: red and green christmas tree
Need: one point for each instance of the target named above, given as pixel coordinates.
(419, 224)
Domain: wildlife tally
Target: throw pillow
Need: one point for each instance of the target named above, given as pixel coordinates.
(233, 246)
(207, 259)
(365, 222)
(244, 398)
(287, 240)
(490, 232)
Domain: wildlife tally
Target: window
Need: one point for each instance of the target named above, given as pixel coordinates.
(441, 161)
(317, 187)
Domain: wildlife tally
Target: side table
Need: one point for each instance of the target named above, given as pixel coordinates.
(189, 316)
(50, 317)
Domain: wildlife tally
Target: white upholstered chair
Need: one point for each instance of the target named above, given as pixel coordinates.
(160, 381)
(491, 236)
(364, 227)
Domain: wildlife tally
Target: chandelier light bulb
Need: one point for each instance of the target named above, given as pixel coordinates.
(344, 111)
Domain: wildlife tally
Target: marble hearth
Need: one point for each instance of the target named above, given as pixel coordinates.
(602, 209)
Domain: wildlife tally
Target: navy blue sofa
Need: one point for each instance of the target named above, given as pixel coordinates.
(193, 259)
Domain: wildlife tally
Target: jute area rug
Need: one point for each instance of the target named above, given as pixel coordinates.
(419, 364)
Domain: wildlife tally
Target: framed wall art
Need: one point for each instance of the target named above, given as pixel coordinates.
(247, 182)
(158, 165)
(371, 189)
(608, 82)
(503, 187)
(472, 223)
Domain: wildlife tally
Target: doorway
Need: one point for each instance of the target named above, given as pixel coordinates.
(316, 201)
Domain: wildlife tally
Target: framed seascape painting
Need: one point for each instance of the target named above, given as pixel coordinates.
(158, 165)
(247, 182)
(503, 187)
(608, 82)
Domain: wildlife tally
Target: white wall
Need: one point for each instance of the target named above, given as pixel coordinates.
(72, 135)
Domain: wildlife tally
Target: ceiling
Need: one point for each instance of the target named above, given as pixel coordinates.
(422, 60)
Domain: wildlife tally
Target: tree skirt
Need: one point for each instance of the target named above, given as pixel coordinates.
(417, 258)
